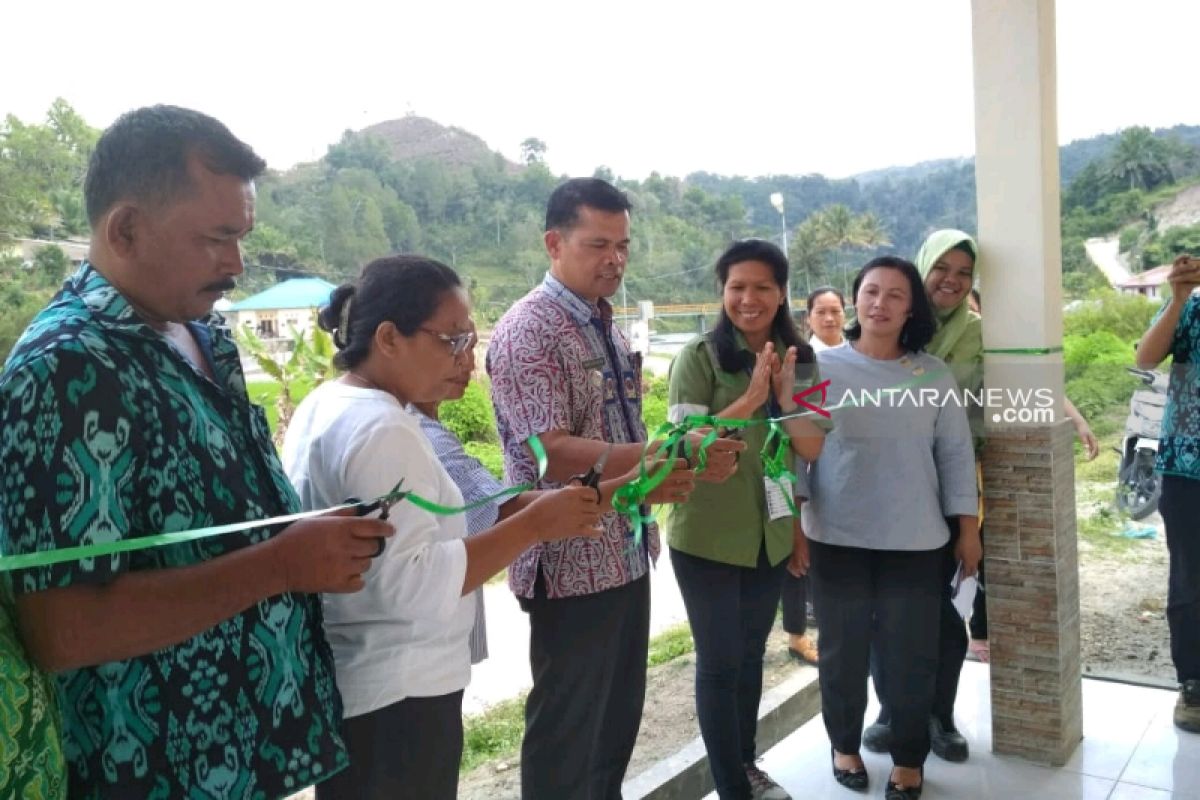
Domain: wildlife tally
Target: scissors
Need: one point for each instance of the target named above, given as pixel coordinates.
(383, 505)
(592, 477)
(731, 433)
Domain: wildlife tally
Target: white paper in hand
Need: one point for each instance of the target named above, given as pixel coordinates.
(962, 592)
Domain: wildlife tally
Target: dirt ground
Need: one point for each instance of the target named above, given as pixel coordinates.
(668, 722)
(1122, 598)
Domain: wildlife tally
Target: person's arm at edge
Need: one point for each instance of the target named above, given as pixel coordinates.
(1155, 344)
(140, 612)
(1082, 429)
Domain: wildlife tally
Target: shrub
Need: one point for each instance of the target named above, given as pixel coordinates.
(470, 418)
(1125, 316)
(1100, 389)
(489, 454)
(1129, 237)
(1080, 353)
(654, 402)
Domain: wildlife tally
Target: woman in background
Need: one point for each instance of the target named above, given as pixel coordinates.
(826, 318)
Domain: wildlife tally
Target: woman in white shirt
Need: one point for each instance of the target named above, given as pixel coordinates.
(826, 318)
(400, 646)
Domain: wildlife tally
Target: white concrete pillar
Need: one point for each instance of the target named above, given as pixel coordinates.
(1029, 498)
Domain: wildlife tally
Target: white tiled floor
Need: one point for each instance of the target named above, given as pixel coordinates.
(1130, 751)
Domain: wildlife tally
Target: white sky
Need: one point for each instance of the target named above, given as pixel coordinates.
(749, 88)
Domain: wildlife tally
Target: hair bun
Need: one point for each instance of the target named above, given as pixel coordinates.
(335, 317)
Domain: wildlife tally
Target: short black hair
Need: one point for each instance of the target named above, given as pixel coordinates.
(562, 210)
(820, 290)
(921, 324)
(783, 327)
(144, 156)
(404, 290)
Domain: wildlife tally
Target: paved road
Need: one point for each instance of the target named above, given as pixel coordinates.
(1105, 254)
(505, 673)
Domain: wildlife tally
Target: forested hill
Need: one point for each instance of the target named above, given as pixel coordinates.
(414, 185)
(912, 200)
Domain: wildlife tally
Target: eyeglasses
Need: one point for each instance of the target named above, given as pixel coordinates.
(459, 343)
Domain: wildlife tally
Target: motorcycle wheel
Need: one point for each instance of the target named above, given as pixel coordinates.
(1139, 486)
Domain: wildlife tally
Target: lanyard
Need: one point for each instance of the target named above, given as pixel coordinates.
(618, 375)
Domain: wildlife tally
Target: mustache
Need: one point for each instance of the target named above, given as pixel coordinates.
(226, 285)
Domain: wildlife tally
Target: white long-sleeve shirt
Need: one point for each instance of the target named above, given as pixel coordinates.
(406, 633)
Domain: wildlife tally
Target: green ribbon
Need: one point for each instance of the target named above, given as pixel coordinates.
(43, 558)
(671, 438)
(1022, 351)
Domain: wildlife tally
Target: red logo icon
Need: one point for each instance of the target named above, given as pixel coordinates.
(822, 387)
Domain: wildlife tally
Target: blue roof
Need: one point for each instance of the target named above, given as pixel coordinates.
(293, 293)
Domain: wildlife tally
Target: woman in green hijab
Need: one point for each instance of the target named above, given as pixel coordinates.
(947, 262)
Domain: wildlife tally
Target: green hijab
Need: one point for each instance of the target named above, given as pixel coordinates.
(953, 323)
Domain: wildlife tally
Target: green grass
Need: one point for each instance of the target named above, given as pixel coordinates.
(1098, 521)
(670, 645)
(497, 732)
(1102, 529)
(1104, 469)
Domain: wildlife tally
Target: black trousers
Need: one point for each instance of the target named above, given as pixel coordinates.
(794, 600)
(731, 610)
(884, 601)
(588, 657)
(951, 646)
(409, 750)
(1180, 509)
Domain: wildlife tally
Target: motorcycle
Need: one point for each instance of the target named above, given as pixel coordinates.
(1138, 485)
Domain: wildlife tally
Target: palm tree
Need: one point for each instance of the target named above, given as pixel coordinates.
(807, 251)
(1141, 159)
(842, 230)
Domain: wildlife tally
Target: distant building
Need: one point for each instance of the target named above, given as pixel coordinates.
(1145, 283)
(289, 304)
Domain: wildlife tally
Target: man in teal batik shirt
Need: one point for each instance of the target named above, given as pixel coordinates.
(194, 670)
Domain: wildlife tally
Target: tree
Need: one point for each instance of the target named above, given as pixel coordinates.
(807, 253)
(1141, 159)
(355, 150)
(840, 230)
(309, 365)
(50, 266)
(533, 151)
(41, 168)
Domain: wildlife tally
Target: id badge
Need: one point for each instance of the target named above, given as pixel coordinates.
(777, 504)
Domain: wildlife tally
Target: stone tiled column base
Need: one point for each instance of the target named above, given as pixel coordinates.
(1032, 570)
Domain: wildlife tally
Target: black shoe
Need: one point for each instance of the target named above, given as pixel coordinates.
(894, 792)
(946, 742)
(855, 779)
(877, 738)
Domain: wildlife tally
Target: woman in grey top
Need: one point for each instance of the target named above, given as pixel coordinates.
(897, 464)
